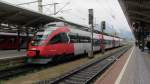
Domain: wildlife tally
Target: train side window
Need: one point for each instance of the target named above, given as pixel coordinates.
(2, 40)
(73, 38)
(56, 39)
(64, 37)
(12, 39)
(96, 42)
(105, 42)
(84, 39)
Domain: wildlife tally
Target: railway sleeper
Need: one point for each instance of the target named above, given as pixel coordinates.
(80, 76)
(85, 74)
(78, 79)
(67, 81)
(89, 72)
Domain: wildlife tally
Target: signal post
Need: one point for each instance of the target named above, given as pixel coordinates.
(103, 26)
(91, 28)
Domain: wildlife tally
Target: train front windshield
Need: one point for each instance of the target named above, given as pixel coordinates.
(38, 39)
(43, 35)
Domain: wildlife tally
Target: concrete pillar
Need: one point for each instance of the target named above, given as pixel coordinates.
(18, 38)
(137, 35)
(142, 35)
(40, 7)
(27, 34)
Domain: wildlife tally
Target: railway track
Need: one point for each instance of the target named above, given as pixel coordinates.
(6, 74)
(14, 71)
(10, 62)
(86, 74)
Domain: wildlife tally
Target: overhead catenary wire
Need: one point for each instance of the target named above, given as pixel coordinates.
(27, 3)
(55, 9)
(62, 8)
(59, 11)
(108, 9)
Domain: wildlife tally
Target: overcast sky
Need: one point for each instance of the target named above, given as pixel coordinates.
(108, 10)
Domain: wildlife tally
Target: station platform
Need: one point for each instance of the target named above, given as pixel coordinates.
(4, 54)
(132, 68)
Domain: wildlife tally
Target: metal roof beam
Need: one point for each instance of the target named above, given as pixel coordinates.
(32, 21)
(139, 13)
(133, 3)
(3, 15)
(141, 19)
(11, 16)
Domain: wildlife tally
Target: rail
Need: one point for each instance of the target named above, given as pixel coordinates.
(12, 62)
(87, 73)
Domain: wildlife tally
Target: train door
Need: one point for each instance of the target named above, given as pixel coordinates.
(6, 42)
(59, 45)
(78, 46)
(67, 46)
(1, 42)
(12, 42)
(113, 42)
(101, 41)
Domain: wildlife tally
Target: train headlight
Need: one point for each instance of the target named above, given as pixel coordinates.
(42, 43)
(33, 53)
(38, 43)
(33, 49)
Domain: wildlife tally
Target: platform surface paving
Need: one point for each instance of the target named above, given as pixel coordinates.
(132, 68)
(11, 53)
(138, 68)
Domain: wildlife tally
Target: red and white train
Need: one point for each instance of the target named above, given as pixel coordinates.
(58, 40)
(10, 41)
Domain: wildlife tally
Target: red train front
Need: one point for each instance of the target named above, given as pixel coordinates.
(52, 41)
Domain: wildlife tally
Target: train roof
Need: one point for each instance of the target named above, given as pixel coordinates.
(12, 34)
(107, 37)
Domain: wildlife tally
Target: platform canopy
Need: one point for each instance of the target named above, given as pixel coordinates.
(137, 13)
(14, 17)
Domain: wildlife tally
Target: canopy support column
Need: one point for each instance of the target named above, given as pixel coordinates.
(28, 39)
(142, 43)
(18, 39)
